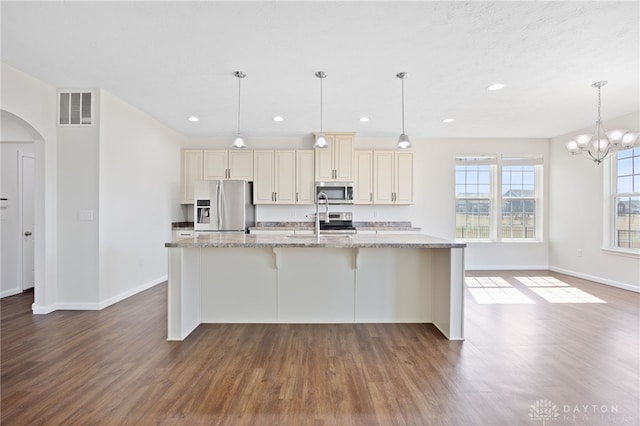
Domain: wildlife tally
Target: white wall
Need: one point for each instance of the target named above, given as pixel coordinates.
(576, 206)
(78, 192)
(9, 219)
(434, 207)
(35, 102)
(139, 198)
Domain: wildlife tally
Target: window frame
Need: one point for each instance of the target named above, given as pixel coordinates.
(497, 163)
(611, 208)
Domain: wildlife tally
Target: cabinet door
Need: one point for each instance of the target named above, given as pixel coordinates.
(305, 177)
(241, 165)
(403, 177)
(191, 171)
(263, 187)
(383, 187)
(324, 161)
(215, 164)
(363, 173)
(343, 158)
(285, 177)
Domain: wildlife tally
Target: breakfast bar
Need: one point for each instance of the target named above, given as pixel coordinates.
(246, 278)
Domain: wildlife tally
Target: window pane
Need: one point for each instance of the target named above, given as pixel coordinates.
(519, 219)
(625, 184)
(625, 167)
(627, 223)
(472, 219)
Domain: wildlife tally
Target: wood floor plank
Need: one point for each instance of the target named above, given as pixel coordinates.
(115, 366)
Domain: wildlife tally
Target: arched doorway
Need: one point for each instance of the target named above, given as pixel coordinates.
(17, 235)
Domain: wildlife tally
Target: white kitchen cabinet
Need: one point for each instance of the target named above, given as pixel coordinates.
(305, 177)
(191, 171)
(224, 164)
(393, 177)
(363, 177)
(179, 234)
(335, 163)
(274, 177)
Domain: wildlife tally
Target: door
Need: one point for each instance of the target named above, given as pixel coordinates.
(363, 177)
(215, 165)
(241, 165)
(263, 171)
(27, 218)
(305, 182)
(285, 177)
(383, 177)
(232, 205)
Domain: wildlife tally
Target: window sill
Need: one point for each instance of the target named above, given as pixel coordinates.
(633, 253)
(501, 243)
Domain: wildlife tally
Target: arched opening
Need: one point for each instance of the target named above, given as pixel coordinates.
(19, 238)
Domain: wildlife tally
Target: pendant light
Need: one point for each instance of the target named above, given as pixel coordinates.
(321, 140)
(238, 142)
(403, 140)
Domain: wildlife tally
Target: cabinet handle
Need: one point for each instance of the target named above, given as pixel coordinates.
(275, 196)
(296, 197)
(371, 196)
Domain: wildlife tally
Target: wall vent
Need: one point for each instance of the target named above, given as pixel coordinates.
(75, 108)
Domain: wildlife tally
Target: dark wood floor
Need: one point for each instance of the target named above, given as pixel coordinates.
(115, 366)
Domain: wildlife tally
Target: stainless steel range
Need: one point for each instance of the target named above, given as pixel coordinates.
(339, 223)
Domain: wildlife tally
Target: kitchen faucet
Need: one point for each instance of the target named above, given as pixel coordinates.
(326, 219)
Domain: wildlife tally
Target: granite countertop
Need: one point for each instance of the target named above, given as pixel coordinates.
(240, 240)
(363, 226)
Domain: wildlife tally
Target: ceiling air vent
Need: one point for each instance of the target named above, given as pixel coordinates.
(76, 108)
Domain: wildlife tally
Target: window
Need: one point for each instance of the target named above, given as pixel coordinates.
(626, 199)
(473, 197)
(508, 182)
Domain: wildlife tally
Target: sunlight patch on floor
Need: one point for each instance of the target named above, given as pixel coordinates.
(499, 295)
(542, 282)
(566, 295)
(486, 282)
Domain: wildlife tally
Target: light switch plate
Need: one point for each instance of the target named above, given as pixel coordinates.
(85, 215)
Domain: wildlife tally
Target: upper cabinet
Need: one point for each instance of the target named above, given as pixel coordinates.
(363, 172)
(392, 177)
(191, 171)
(223, 164)
(305, 177)
(198, 164)
(335, 163)
(275, 177)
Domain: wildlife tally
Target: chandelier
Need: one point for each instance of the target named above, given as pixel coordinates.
(601, 144)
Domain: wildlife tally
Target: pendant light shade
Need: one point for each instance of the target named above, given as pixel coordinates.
(321, 140)
(238, 142)
(403, 140)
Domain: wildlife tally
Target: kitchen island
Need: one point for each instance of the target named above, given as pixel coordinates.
(242, 278)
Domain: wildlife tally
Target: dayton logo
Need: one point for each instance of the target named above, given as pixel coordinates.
(543, 410)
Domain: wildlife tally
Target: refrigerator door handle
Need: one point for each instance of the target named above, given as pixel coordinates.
(218, 212)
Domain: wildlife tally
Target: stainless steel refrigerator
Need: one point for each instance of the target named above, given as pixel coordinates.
(223, 205)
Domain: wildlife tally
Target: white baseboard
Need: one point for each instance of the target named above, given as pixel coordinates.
(118, 297)
(599, 280)
(11, 292)
(43, 310)
(506, 267)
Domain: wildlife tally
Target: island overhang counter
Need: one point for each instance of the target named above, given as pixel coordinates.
(246, 278)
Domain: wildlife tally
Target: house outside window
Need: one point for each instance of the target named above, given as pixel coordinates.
(626, 199)
(498, 198)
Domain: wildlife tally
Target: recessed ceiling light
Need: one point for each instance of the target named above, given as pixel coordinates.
(448, 120)
(278, 118)
(364, 119)
(193, 119)
(496, 86)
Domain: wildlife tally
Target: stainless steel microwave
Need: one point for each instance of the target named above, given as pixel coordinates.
(336, 192)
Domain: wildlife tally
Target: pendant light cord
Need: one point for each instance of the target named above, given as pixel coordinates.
(239, 80)
(402, 104)
(321, 105)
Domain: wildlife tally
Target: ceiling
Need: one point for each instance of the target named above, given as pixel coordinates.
(176, 59)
